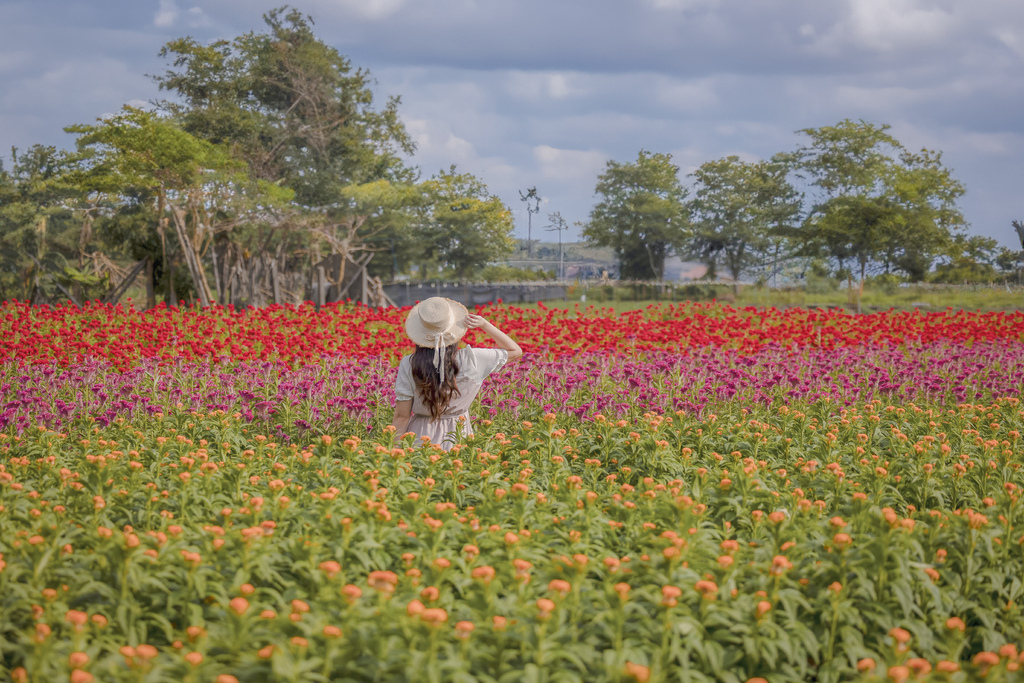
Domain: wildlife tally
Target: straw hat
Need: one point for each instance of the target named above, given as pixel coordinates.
(436, 323)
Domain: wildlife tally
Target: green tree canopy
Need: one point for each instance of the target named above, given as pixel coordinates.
(291, 106)
(196, 187)
(641, 214)
(877, 202)
(464, 225)
(741, 212)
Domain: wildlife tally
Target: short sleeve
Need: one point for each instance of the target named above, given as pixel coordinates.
(404, 386)
(489, 360)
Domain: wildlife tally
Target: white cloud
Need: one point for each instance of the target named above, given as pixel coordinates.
(568, 164)
(687, 95)
(166, 15)
(887, 25)
(1010, 39)
(538, 85)
(197, 18)
(12, 61)
(682, 5)
(373, 9)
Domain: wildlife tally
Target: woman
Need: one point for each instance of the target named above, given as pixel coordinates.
(437, 383)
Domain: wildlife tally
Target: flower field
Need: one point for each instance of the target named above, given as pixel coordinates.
(688, 493)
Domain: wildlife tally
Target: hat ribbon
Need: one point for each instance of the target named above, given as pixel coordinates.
(439, 343)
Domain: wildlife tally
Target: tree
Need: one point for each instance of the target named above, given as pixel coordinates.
(465, 226)
(741, 212)
(302, 118)
(41, 240)
(971, 259)
(876, 201)
(641, 214)
(196, 187)
(556, 222)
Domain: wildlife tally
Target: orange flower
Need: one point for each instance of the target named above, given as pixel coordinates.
(763, 607)
(947, 666)
(900, 635)
(638, 672)
(194, 658)
(146, 651)
(955, 623)
(865, 664)
(706, 588)
(239, 605)
(330, 568)
(299, 641)
(76, 618)
(78, 659)
(463, 629)
(485, 573)
(79, 676)
(920, 666)
(435, 616)
(985, 659)
(382, 581)
(332, 631)
(352, 593)
(670, 595)
(725, 561)
(560, 586)
(545, 607)
(899, 673)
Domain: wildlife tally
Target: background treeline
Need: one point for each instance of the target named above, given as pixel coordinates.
(270, 155)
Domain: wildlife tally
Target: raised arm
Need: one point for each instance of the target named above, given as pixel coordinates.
(502, 340)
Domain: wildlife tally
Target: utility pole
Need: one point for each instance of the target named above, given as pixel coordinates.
(558, 223)
(532, 200)
(1019, 227)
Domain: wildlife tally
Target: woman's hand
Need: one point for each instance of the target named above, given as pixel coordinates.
(474, 321)
(502, 340)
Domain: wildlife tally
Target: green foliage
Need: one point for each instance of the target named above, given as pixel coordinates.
(641, 214)
(790, 543)
(971, 259)
(512, 274)
(38, 231)
(291, 106)
(464, 226)
(877, 202)
(741, 213)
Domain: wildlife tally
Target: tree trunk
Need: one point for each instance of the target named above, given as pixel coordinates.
(216, 275)
(191, 255)
(172, 294)
(860, 292)
(150, 289)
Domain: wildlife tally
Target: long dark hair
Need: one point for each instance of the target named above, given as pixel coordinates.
(437, 396)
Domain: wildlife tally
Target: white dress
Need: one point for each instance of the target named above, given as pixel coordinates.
(474, 367)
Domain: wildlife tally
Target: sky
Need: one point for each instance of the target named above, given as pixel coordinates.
(544, 92)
